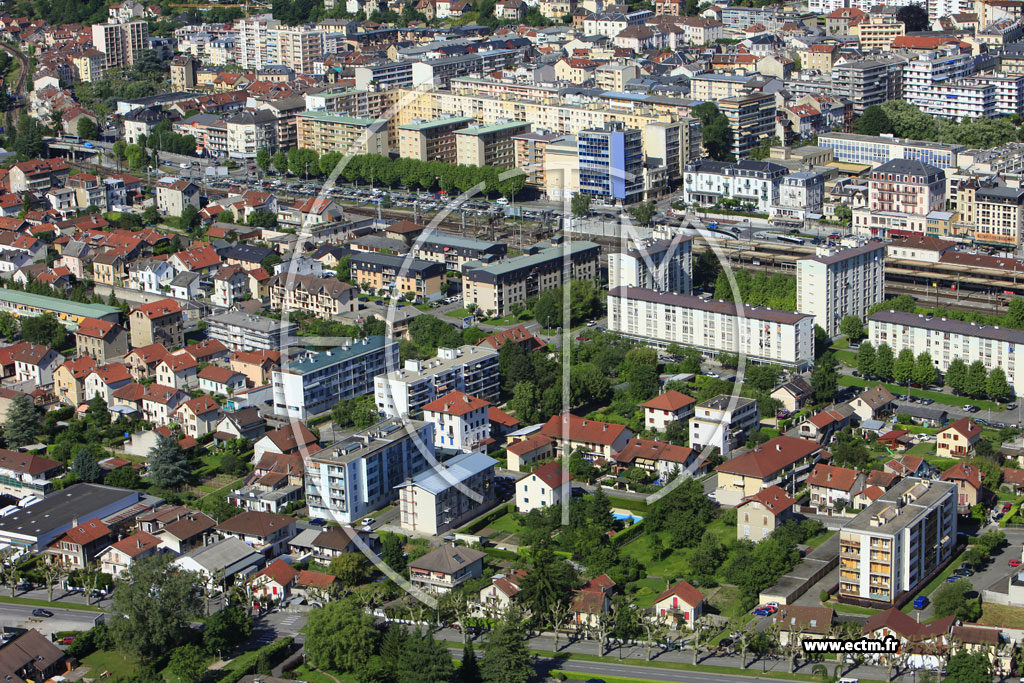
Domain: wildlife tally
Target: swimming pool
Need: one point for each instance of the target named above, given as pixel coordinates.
(622, 517)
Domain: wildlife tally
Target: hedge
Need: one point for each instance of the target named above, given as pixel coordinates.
(627, 535)
(482, 523)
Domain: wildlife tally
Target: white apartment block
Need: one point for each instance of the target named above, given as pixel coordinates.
(312, 384)
(800, 194)
(295, 47)
(665, 266)
(439, 499)
(460, 421)
(895, 543)
(947, 340)
(707, 182)
(923, 73)
(352, 478)
(470, 369)
(723, 422)
(959, 99)
(838, 282)
(944, 8)
(762, 334)
(251, 41)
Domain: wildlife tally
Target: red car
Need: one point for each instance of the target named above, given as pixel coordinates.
(1014, 562)
(67, 640)
(1007, 506)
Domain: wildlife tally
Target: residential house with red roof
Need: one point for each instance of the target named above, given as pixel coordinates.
(142, 360)
(908, 466)
(498, 596)
(104, 380)
(896, 440)
(100, 339)
(199, 258)
(926, 643)
(69, 380)
(758, 515)
(118, 557)
(968, 480)
(293, 437)
(460, 421)
(36, 363)
(224, 381)
(178, 370)
(315, 586)
(273, 582)
(82, 543)
(264, 531)
(591, 601)
(597, 439)
(793, 394)
(833, 486)
(666, 408)
(522, 452)
(159, 403)
(681, 603)
(958, 439)
(257, 366)
(783, 461)
(518, 335)
(661, 459)
(174, 195)
(160, 321)
(198, 416)
(547, 485)
(25, 474)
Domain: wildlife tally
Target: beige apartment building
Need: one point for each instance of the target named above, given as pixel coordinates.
(324, 132)
(495, 287)
(877, 31)
(298, 47)
(121, 44)
(90, 65)
(529, 150)
(398, 274)
(431, 140)
(324, 297)
(159, 321)
(489, 145)
(102, 340)
(894, 545)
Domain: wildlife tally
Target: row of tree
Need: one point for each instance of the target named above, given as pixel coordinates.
(972, 380)
(905, 120)
(758, 289)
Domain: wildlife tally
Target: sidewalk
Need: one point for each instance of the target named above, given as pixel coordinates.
(61, 598)
(638, 652)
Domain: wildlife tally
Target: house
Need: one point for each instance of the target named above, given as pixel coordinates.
(521, 453)
(896, 440)
(958, 439)
(664, 409)
(968, 480)
(118, 557)
(497, 597)
(159, 403)
(460, 421)
(100, 339)
(1013, 479)
(207, 351)
(179, 529)
(793, 394)
(31, 656)
(160, 321)
(681, 603)
(909, 466)
(220, 562)
(293, 437)
(178, 371)
(217, 380)
(914, 636)
(173, 196)
(832, 486)
(547, 485)
(867, 496)
(784, 460)
(661, 459)
(445, 568)
(246, 423)
(339, 540)
(36, 363)
(597, 439)
(24, 474)
(873, 403)
(69, 380)
(822, 426)
(142, 360)
(266, 532)
(82, 543)
(315, 586)
(257, 366)
(198, 416)
(758, 515)
(517, 335)
(590, 602)
(796, 623)
(273, 582)
(104, 380)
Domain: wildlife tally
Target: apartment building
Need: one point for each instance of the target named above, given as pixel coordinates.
(877, 150)
(250, 131)
(445, 497)
(247, 332)
(751, 118)
(325, 132)
(295, 47)
(672, 144)
(101, 340)
(530, 149)
(121, 44)
(90, 65)
(251, 36)
(23, 474)
(867, 82)
(470, 369)
(762, 334)
(159, 321)
(460, 421)
(783, 461)
(611, 163)
(999, 216)
(894, 545)
(800, 194)
(455, 251)
(324, 297)
(358, 475)
(664, 266)
(877, 31)
(312, 383)
(495, 287)
(723, 422)
(398, 274)
(183, 73)
(489, 144)
(947, 340)
(898, 190)
(432, 140)
(959, 99)
(926, 71)
(707, 182)
(837, 282)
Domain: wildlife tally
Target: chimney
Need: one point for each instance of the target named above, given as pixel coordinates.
(778, 447)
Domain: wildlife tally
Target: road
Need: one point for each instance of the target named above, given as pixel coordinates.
(62, 620)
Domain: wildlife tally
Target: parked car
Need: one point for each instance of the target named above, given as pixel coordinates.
(920, 602)
(40, 612)
(1007, 506)
(1014, 562)
(782, 414)
(67, 640)
(963, 572)
(1011, 406)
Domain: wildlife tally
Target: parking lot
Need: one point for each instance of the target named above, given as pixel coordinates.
(20, 616)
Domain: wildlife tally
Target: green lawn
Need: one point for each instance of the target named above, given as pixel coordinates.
(847, 358)
(647, 590)
(726, 601)
(673, 563)
(458, 313)
(852, 609)
(1002, 615)
(311, 675)
(631, 504)
(942, 463)
(44, 603)
(507, 523)
(107, 660)
(945, 574)
(815, 541)
(925, 448)
(938, 396)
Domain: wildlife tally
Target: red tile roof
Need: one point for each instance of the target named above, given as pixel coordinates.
(280, 572)
(963, 471)
(670, 400)
(582, 430)
(831, 477)
(684, 591)
(82, 534)
(311, 579)
(534, 442)
(770, 457)
(906, 626)
(158, 309)
(773, 498)
(499, 416)
(456, 403)
(552, 474)
(965, 426)
(136, 544)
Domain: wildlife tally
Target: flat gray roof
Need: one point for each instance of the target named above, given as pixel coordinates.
(917, 497)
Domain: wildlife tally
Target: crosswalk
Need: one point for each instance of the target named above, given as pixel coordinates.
(291, 624)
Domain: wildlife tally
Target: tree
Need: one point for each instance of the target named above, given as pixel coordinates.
(640, 369)
(86, 467)
(996, 385)
(707, 559)
(350, 568)
(968, 667)
(581, 204)
(644, 212)
(44, 329)
(825, 378)
(956, 376)
(340, 636)
(124, 478)
(951, 599)
(8, 326)
(280, 160)
(151, 216)
(874, 121)
(550, 581)
(168, 467)
(914, 18)
(1014, 316)
(22, 422)
(153, 606)
(852, 327)
(119, 150)
(977, 379)
(903, 368)
(506, 659)
(263, 159)
(883, 362)
(525, 401)
(226, 629)
(87, 129)
(189, 219)
(866, 360)
(424, 660)
(925, 373)
(715, 131)
(188, 662)
(469, 668)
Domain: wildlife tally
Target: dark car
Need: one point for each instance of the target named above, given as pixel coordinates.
(40, 612)
(963, 572)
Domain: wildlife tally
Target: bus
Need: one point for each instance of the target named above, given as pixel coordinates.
(790, 239)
